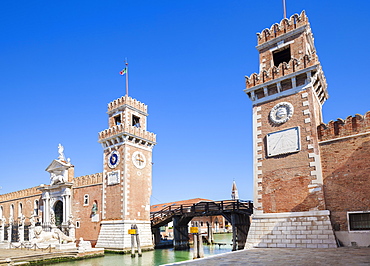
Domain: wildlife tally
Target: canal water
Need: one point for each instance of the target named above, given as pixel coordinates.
(155, 257)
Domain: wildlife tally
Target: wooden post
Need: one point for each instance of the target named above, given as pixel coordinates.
(131, 232)
(195, 246)
(210, 232)
(200, 245)
(132, 246)
(138, 242)
(198, 242)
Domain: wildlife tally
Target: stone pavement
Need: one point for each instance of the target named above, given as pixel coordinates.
(24, 255)
(9, 253)
(287, 256)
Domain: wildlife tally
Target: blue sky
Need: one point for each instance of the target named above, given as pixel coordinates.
(59, 64)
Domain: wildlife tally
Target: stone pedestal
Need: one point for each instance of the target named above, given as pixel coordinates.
(65, 246)
(31, 232)
(114, 234)
(311, 229)
(21, 233)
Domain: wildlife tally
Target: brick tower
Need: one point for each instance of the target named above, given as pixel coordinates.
(287, 96)
(127, 183)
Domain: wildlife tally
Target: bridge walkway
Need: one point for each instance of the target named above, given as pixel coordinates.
(236, 212)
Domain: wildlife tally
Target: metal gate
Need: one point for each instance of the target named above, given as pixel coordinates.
(6, 232)
(15, 231)
(26, 228)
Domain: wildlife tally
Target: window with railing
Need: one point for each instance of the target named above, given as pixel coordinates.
(359, 221)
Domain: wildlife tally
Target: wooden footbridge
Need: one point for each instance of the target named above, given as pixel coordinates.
(236, 212)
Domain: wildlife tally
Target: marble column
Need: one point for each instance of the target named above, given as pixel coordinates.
(46, 212)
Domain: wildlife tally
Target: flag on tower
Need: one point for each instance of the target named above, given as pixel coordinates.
(123, 71)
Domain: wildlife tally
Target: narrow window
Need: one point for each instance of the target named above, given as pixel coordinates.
(1, 212)
(117, 120)
(86, 199)
(135, 121)
(20, 207)
(359, 221)
(281, 56)
(77, 224)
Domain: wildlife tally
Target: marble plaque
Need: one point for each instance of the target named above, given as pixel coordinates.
(283, 142)
(113, 178)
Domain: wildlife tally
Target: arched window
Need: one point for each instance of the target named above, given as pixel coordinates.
(1, 212)
(86, 199)
(12, 210)
(20, 209)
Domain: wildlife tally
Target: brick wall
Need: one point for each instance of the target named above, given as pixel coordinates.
(113, 194)
(345, 150)
(88, 229)
(286, 178)
(26, 197)
(140, 187)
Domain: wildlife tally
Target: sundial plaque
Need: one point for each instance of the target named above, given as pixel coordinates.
(283, 142)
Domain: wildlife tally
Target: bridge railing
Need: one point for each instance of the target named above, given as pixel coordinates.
(203, 207)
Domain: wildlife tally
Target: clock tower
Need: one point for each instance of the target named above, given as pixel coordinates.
(287, 97)
(127, 182)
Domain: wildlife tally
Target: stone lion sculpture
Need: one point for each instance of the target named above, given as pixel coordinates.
(56, 236)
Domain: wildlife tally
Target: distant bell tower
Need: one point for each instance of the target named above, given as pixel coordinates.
(234, 192)
(127, 183)
(287, 96)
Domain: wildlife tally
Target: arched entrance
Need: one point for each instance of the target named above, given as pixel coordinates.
(58, 211)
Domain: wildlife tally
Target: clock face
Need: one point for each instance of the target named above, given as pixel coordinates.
(139, 159)
(281, 113)
(113, 159)
(283, 142)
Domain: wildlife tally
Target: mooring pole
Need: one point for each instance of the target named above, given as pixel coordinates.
(200, 245)
(132, 232)
(195, 246)
(138, 242)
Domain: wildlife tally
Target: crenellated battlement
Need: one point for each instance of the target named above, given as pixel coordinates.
(127, 100)
(88, 180)
(286, 25)
(294, 65)
(28, 192)
(129, 130)
(343, 128)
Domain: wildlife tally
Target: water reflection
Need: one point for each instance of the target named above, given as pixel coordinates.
(155, 257)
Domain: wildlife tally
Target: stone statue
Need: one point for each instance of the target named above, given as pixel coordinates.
(70, 220)
(84, 245)
(61, 154)
(94, 209)
(50, 237)
(57, 177)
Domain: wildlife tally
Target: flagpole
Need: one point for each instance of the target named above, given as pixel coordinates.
(284, 8)
(126, 77)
